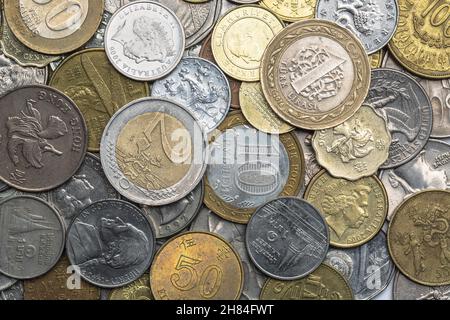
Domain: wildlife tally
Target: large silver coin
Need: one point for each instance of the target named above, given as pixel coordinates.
(31, 237)
(201, 87)
(111, 242)
(144, 40)
(287, 238)
(405, 289)
(6, 282)
(15, 292)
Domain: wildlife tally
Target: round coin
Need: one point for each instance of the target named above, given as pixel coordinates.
(291, 11)
(15, 292)
(137, 290)
(6, 282)
(405, 289)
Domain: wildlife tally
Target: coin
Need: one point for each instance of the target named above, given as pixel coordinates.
(111, 6)
(13, 293)
(53, 26)
(258, 112)
(312, 167)
(376, 59)
(356, 148)
(32, 237)
(43, 130)
(3, 186)
(196, 265)
(6, 282)
(405, 289)
(144, 40)
(98, 39)
(418, 236)
(292, 78)
(239, 53)
(291, 11)
(245, 1)
(324, 283)
(60, 283)
(247, 168)
(137, 290)
(111, 242)
(201, 87)
(421, 42)
(287, 238)
(97, 88)
(406, 108)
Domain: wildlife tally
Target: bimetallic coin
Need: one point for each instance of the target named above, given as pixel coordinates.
(6, 282)
(196, 265)
(325, 283)
(312, 80)
(376, 59)
(31, 237)
(137, 290)
(356, 148)
(111, 242)
(406, 108)
(418, 235)
(287, 238)
(240, 38)
(15, 292)
(144, 40)
(405, 289)
(291, 11)
(248, 167)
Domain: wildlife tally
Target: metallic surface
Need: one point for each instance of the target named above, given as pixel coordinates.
(405, 289)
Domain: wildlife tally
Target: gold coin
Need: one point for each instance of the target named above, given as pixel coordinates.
(324, 283)
(137, 290)
(197, 266)
(239, 39)
(355, 148)
(421, 42)
(315, 74)
(291, 11)
(376, 59)
(54, 26)
(258, 168)
(354, 210)
(419, 237)
(257, 111)
(97, 88)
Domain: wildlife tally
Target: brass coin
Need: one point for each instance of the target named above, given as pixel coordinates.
(315, 74)
(419, 237)
(97, 88)
(54, 26)
(355, 211)
(324, 283)
(197, 266)
(240, 37)
(376, 59)
(356, 148)
(137, 290)
(291, 11)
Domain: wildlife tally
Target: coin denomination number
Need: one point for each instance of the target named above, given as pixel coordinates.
(62, 16)
(438, 15)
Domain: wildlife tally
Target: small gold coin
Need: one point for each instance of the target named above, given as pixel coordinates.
(376, 59)
(354, 210)
(325, 283)
(355, 148)
(137, 290)
(239, 40)
(419, 237)
(291, 11)
(197, 266)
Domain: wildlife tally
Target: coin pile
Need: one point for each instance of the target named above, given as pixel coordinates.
(216, 149)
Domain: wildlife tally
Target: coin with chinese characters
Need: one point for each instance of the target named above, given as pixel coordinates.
(291, 11)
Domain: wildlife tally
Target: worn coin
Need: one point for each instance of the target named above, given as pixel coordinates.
(6, 282)
(196, 265)
(248, 167)
(15, 292)
(312, 80)
(137, 290)
(405, 289)
(32, 237)
(291, 11)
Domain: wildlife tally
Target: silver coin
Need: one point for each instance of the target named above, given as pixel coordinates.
(98, 39)
(405, 106)
(144, 40)
(405, 289)
(312, 167)
(3, 186)
(201, 87)
(287, 238)
(6, 282)
(15, 292)
(31, 237)
(173, 218)
(112, 6)
(228, 4)
(85, 187)
(245, 1)
(373, 21)
(111, 242)
(368, 268)
(235, 234)
(430, 169)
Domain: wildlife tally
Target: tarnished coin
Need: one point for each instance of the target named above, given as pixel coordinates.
(406, 108)
(15, 292)
(418, 237)
(194, 266)
(356, 148)
(144, 40)
(376, 59)
(355, 211)
(314, 80)
(291, 11)
(287, 238)
(368, 268)
(6, 282)
(257, 111)
(422, 40)
(248, 168)
(325, 283)
(111, 242)
(31, 237)
(137, 290)
(201, 87)
(240, 38)
(53, 26)
(97, 88)
(405, 289)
